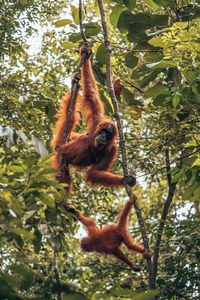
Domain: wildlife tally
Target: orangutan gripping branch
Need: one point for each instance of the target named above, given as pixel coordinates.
(109, 239)
(95, 149)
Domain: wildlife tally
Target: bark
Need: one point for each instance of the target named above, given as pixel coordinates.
(172, 187)
(121, 135)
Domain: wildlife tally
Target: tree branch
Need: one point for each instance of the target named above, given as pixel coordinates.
(74, 92)
(80, 22)
(56, 270)
(172, 187)
(121, 134)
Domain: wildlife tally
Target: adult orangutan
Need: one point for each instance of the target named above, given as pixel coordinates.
(94, 150)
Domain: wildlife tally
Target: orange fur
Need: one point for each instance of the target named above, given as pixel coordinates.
(62, 118)
(117, 85)
(83, 150)
(109, 239)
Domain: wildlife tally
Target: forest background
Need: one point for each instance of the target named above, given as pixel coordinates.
(155, 51)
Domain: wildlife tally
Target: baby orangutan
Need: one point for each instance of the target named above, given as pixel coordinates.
(109, 239)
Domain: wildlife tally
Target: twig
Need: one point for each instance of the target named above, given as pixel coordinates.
(56, 270)
(177, 11)
(80, 21)
(130, 83)
(121, 134)
(168, 168)
(124, 48)
(133, 50)
(134, 86)
(173, 161)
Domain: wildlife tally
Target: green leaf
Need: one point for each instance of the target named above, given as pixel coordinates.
(158, 42)
(107, 102)
(155, 91)
(37, 241)
(165, 3)
(162, 64)
(197, 162)
(126, 18)
(46, 170)
(30, 160)
(92, 28)
(68, 45)
(50, 214)
(177, 177)
(100, 55)
(189, 192)
(152, 4)
(22, 232)
(114, 16)
(174, 170)
(197, 175)
(137, 35)
(196, 195)
(24, 273)
(119, 2)
(140, 72)
(62, 22)
(46, 199)
(149, 78)
(129, 97)
(99, 75)
(75, 37)
(131, 60)
(153, 57)
(159, 20)
(130, 4)
(75, 15)
(175, 100)
(50, 109)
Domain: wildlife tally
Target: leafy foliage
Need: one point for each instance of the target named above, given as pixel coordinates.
(155, 51)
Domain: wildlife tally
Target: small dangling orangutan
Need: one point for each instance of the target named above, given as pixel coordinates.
(109, 239)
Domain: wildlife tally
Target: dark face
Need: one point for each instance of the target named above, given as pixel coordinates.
(105, 135)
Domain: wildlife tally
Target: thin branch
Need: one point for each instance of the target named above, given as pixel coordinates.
(121, 134)
(151, 173)
(124, 48)
(187, 155)
(164, 167)
(134, 86)
(56, 270)
(80, 22)
(74, 92)
(130, 83)
(177, 11)
(133, 50)
(169, 176)
(172, 187)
